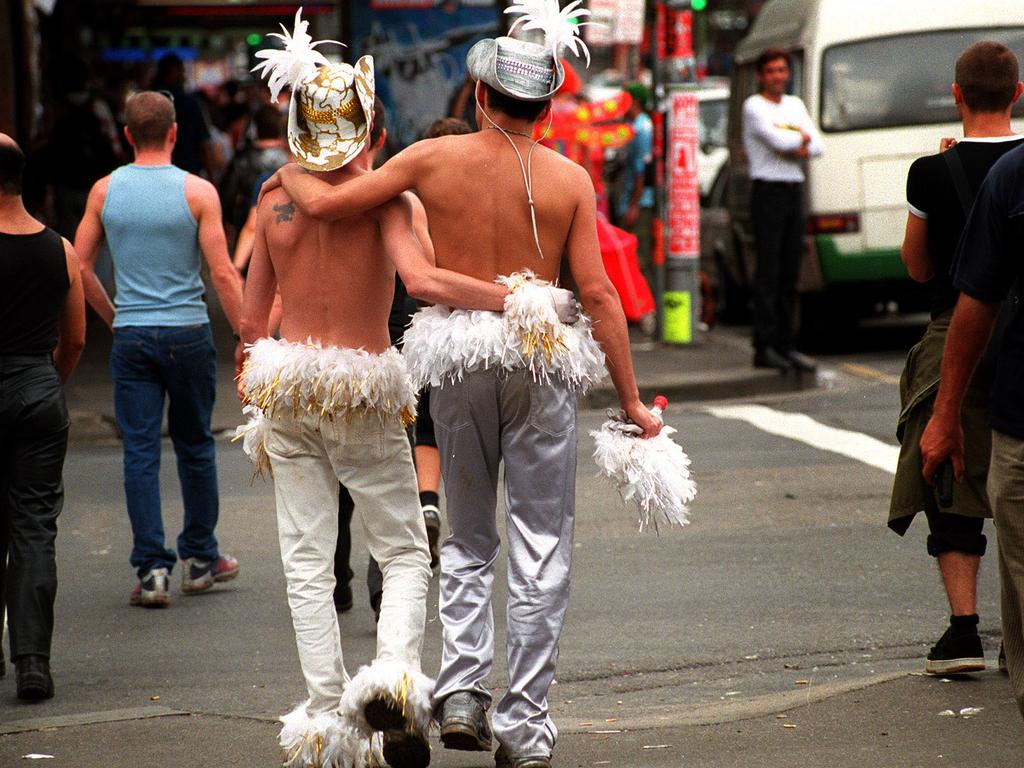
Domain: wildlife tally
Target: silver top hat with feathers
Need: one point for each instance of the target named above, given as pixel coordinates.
(331, 109)
(530, 71)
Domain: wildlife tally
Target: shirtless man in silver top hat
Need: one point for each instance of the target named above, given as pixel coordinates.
(500, 206)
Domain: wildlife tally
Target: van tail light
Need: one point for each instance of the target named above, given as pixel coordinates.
(833, 224)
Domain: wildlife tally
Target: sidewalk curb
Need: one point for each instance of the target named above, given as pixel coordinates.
(712, 385)
(716, 713)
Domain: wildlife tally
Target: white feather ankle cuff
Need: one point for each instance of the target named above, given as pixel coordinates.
(322, 740)
(655, 473)
(442, 346)
(411, 691)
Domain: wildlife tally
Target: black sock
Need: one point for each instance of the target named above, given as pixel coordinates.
(429, 498)
(964, 625)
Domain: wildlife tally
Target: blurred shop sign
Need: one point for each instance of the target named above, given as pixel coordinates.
(615, 22)
(683, 186)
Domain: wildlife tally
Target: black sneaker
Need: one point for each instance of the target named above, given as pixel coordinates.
(958, 650)
(432, 519)
(770, 358)
(404, 746)
(464, 725)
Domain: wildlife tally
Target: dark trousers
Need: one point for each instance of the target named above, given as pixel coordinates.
(343, 551)
(33, 442)
(777, 213)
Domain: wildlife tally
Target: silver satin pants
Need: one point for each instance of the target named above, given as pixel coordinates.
(479, 421)
(309, 457)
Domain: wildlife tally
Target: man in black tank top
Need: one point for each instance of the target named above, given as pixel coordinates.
(940, 191)
(42, 311)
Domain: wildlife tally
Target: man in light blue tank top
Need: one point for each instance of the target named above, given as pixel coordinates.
(160, 222)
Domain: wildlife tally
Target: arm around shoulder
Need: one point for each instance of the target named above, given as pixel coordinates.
(316, 198)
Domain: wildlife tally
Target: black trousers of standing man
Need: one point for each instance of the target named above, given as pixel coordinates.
(777, 213)
(33, 443)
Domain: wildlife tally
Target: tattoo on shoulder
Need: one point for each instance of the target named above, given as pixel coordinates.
(284, 212)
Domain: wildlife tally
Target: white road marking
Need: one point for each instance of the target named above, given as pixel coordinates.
(800, 427)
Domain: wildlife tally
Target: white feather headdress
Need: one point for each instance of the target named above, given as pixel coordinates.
(297, 62)
(553, 21)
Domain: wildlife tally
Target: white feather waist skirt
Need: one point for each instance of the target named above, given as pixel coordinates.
(327, 381)
(442, 346)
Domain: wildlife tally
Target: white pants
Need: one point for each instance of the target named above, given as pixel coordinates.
(309, 456)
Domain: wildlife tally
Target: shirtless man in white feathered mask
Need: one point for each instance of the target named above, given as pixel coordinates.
(504, 386)
(330, 400)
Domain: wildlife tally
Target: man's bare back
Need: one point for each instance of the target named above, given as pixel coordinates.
(335, 279)
(473, 190)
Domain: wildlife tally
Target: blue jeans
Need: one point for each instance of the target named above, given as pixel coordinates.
(146, 363)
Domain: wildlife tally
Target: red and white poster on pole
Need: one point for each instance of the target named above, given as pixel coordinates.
(681, 167)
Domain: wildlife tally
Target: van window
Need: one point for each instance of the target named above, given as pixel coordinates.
(900, 80)
(713, 121)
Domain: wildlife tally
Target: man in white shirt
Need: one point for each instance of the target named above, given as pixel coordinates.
(778, 136)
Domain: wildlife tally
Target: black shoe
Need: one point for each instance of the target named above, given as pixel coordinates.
(375, 600)
(503, 760)
(1002, 659)
(958, 650)
(464, 723)
(343, 600)
(768, 357)
(802, 362)
(403, 747)
(342, 589)
(432, 519)
(34, 680)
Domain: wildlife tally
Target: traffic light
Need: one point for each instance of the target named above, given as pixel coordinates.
(698, 5)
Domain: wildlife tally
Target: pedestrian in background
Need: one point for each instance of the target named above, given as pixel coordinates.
(778, 136)
(263, 156)
(635, 208)
(427, 460)
(160, 222)
(194, 150)
(940, 191)
(42, 312)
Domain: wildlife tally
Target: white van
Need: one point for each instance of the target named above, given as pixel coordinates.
(875, 76)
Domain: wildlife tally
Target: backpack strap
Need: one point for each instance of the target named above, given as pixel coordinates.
(960, 183)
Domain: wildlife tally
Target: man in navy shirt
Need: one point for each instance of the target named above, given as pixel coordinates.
(989, 263)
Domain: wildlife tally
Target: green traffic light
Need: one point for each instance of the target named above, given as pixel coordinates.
(254, 38)
(698, 5)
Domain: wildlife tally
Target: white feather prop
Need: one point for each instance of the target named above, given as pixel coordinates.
(553, 21)
(296, 63)
(442, 346)
(253, 435)
(654, 473)
(321, 740)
